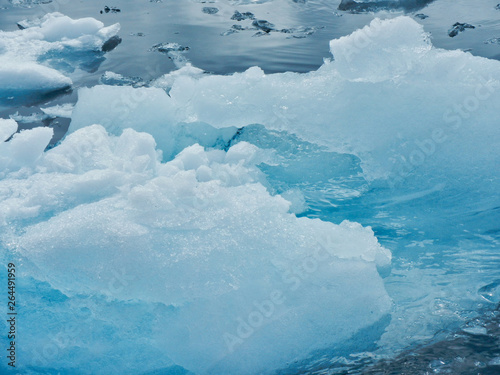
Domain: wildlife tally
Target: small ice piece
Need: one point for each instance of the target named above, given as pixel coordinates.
(237, 16)
(51, 40)
(34, 117)
(7, 128)
(115, 79)
(263, 25)
(260, 33)
(174, 52)
(64, 110)
(300, 32)
(458, 28)
(492, 41)
(219, 250)
(169, 47)
(495, 361)
(233, 29)
(28, 78)
(27, 23)
(491, 292)
(24, 149)
(166, 81)
(476, 330)
(497, 7)
(228, 32)
(421, 16)
(210, 10)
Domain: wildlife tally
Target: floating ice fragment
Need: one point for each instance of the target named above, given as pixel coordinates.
(421, 16)
(169, 47)
(237, 16)
(63, 110)
(263, 25)
(115, 79)
(459, 27)
(51, 40)
(210, 10)
(111, 9)
(28, 3)
(492, 41)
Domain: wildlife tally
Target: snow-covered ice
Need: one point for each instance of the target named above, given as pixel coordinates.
(25, 68)
(239, 273)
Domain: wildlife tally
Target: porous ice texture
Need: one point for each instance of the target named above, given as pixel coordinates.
(388, 97)
(21, 52)
(248, 287)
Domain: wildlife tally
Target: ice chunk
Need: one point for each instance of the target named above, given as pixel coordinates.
(169, 47)
(421, 16)
(112, 10)
(7, 128)
(63, 110)
(24, 149)
(25, 53)
(167, 80)
(237, 16)
(174, 51)
(236, 274)
(210, 10)
(29, 78)
(28, 3)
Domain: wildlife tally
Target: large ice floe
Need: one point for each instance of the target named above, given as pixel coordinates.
(150, 237)
(31, 59)
(246, 286)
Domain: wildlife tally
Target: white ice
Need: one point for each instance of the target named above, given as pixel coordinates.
(250, 286)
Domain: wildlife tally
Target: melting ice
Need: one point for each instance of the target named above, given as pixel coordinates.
(172, 229)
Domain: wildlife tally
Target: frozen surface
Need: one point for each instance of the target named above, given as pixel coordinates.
(216, 247)
(29, 57)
